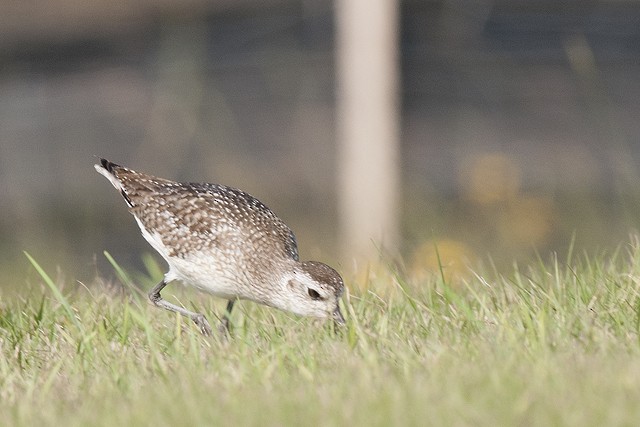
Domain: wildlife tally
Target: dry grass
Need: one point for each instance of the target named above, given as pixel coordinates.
(548, 344)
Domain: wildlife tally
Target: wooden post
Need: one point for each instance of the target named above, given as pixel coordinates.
(367, 125)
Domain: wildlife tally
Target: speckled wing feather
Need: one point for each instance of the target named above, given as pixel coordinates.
(192, 216)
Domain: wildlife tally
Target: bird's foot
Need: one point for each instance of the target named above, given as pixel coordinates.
(202, 324)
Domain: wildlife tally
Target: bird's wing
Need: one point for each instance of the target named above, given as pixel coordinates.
(244, 210)
(209, 213)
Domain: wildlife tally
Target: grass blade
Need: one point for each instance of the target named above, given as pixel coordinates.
(122, 275)
(56, 292)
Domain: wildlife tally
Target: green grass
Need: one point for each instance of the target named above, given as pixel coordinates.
(547, 344)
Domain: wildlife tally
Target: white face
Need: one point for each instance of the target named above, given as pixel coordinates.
(306, 295)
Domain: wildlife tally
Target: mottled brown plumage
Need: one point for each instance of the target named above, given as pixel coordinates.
(225, 242)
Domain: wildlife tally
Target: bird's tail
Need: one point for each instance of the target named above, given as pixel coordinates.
(110, 171)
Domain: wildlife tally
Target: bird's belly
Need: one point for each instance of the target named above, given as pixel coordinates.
(222, 278)
(218, 271)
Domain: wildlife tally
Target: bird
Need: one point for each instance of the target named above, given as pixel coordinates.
(227, 243)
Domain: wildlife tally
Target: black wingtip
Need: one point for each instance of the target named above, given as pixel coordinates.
(108, 165)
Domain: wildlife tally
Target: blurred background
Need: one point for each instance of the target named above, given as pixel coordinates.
(512, 127)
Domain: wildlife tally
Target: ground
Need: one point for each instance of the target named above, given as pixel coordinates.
(550, 343)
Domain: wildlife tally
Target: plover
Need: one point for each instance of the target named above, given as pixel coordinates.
(225, 242)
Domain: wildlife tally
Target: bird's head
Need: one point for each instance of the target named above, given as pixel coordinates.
(314, 289)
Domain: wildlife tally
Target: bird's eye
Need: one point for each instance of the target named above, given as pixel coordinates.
(314, 294)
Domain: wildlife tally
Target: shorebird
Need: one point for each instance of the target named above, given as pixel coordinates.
(225, 242)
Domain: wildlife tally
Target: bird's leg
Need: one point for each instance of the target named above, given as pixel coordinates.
(224, 324)
(198, 319)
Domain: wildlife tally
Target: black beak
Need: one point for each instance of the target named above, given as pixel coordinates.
(338, 318)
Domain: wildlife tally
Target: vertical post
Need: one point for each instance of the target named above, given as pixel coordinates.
(367, 124)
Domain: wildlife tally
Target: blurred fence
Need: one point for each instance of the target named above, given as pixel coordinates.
(518, 121)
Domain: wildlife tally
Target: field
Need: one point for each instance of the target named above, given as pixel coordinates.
(550, 343)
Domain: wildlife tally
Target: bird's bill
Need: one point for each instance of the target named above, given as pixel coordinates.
(338, 318)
